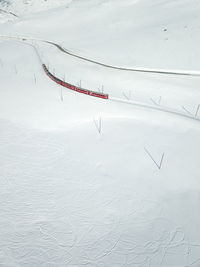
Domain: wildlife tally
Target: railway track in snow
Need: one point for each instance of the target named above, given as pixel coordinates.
(106, 96)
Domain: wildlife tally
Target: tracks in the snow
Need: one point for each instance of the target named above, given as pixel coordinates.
(9, 13)
(137, 104)
(158, 108)
(141, 70)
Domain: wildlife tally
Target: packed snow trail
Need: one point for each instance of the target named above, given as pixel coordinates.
(141, 70)
(134, 103)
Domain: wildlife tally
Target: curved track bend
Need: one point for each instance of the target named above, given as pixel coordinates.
(137, 104)
(142, 70)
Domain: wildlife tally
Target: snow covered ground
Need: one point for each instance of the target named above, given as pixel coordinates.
(22, 7)
(92, 182)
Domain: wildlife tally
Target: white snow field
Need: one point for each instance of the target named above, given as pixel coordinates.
(91, 182)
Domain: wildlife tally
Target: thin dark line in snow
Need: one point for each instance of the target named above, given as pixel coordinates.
(159, 165)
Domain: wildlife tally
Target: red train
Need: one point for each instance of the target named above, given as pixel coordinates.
(73, 87)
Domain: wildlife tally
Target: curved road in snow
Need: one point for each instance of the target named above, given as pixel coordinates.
(142, 70)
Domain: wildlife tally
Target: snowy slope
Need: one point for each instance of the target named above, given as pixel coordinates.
(92, 182)
(21, 7)
(168, 39)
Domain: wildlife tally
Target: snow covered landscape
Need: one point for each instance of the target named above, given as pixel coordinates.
(87, 181)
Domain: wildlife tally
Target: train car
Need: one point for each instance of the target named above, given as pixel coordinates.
(73, 87)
